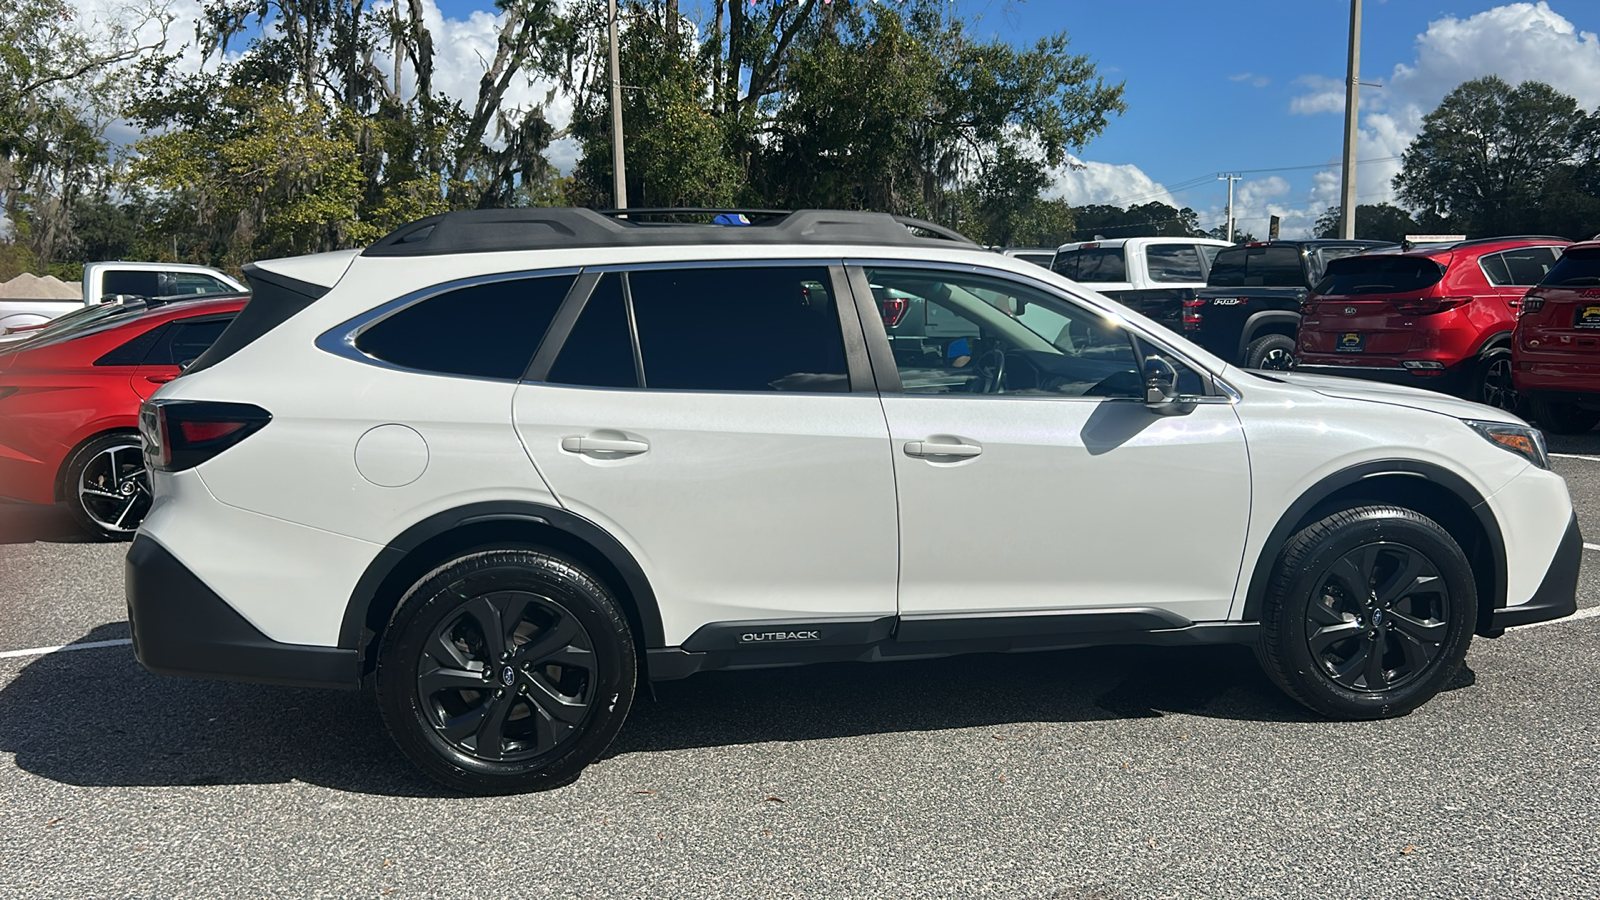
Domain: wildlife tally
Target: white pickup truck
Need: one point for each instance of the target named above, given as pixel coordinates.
(1151, 275)
(107, 281)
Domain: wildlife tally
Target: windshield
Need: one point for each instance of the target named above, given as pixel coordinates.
(1577, 268)
(1357, 275)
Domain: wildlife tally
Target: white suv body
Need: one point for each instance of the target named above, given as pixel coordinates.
(908, 501)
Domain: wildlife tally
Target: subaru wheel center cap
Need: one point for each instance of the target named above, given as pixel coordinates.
(508, 675)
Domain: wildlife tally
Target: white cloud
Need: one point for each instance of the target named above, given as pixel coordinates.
(1080, 182)
(1517, 41)
(1255, 80)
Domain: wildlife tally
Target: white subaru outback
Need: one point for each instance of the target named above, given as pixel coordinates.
(503, 465)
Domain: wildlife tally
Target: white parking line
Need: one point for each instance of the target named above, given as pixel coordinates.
(1576, 456)
(1588, 546)
(41, 651)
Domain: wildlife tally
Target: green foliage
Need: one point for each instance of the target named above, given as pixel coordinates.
(1496, 159)
(1374, 222)
(1145, 220)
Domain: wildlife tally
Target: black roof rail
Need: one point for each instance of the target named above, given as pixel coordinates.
(1451, 245)
(666, 211)
(561, 228)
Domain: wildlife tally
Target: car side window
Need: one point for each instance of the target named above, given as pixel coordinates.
(197, 283)
(955, 333)
(189, 340)
(480, 331)
(738, 328)
(1495, 268)
(599, 351)
(1173, 263)
(1527, 266)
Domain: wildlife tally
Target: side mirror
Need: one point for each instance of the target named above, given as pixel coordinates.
(1161, 388)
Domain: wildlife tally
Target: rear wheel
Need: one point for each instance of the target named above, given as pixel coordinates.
(1369, 613)
(1273, 351)
(1563, 418)
(107, 489)
(506, 671)
(1491, 382)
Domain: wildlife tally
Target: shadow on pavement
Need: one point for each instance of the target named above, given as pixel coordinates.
(95, 718)
(26, 523)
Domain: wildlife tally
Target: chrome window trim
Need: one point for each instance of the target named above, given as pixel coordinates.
(340, 340)
(1232, 394)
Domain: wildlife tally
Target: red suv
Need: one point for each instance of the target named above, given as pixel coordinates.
(1556, 354)
(1439, 316)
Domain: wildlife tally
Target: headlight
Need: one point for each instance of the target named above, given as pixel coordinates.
(1526, 442)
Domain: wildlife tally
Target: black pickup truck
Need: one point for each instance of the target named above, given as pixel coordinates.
(1249, 311)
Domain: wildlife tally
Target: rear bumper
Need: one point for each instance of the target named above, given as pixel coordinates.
(1557, 596)
(1449, 380)
(181, 627)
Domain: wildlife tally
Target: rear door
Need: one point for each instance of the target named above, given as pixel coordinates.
(721, 421)
(1512, 273)
(1562, 315)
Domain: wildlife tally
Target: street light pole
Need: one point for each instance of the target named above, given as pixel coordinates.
(1230, 179)
(619, 172)
(1352, 90)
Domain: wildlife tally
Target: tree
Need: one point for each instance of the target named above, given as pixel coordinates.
(1486, 155)
(1374, 222)
(1145, 220)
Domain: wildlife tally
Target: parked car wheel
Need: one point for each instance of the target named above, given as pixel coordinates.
(1369, 613)
(107, 489)
(1563, 418)
(506, 671)
(1491, 382)
(1273, 351)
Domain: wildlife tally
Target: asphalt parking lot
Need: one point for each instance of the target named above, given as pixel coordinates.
(1110, 773)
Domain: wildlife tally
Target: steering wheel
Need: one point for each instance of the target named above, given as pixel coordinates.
(991, 368)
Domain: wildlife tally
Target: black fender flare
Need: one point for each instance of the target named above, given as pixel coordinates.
(509, 512)
(1265, 317)
(1261, 573)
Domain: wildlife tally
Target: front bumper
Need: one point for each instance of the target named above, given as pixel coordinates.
(181, 627)
(1557, 596)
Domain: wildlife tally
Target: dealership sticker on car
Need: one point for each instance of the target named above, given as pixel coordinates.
(1351, 342)
(1589, 317)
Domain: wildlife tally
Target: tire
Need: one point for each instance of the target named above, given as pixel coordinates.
(1563, 418)
(1273, 351)
(1491, 382)
(445, 689)
(106, 487)
(1317, 634)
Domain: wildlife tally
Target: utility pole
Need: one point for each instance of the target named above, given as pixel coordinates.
(1230, 179)
(619, 172)
(1352, 91)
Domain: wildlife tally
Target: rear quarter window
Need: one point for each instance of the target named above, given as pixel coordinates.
(482, 331)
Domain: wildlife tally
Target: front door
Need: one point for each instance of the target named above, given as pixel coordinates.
(711, 419)
(1032, 477)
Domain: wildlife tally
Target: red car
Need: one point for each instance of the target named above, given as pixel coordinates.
(69, 403)
(1556, 353)
(1438, 317)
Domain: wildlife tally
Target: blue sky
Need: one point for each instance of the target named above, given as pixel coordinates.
(1240, 85)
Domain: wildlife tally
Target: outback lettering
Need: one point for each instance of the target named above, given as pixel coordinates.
(759, 637)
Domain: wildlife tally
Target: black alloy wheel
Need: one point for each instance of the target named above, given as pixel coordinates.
(1274, 352)
(1378, 617)
(1495, 387)
(107, 487)
(1369, 613)
(506, 670)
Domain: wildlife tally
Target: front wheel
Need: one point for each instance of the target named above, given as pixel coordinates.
(1273, 351)
(506, 671)
(1563, 418)
(1369, 613)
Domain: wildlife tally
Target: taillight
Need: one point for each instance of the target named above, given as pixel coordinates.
(1427, 306)
(894, 309)
(1530, 304)
(1191, 314)
(182, 434)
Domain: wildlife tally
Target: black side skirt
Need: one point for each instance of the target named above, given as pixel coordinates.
(767, 644)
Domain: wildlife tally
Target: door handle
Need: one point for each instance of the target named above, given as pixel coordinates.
(619, 446)
(162, 378)
(931, 450)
